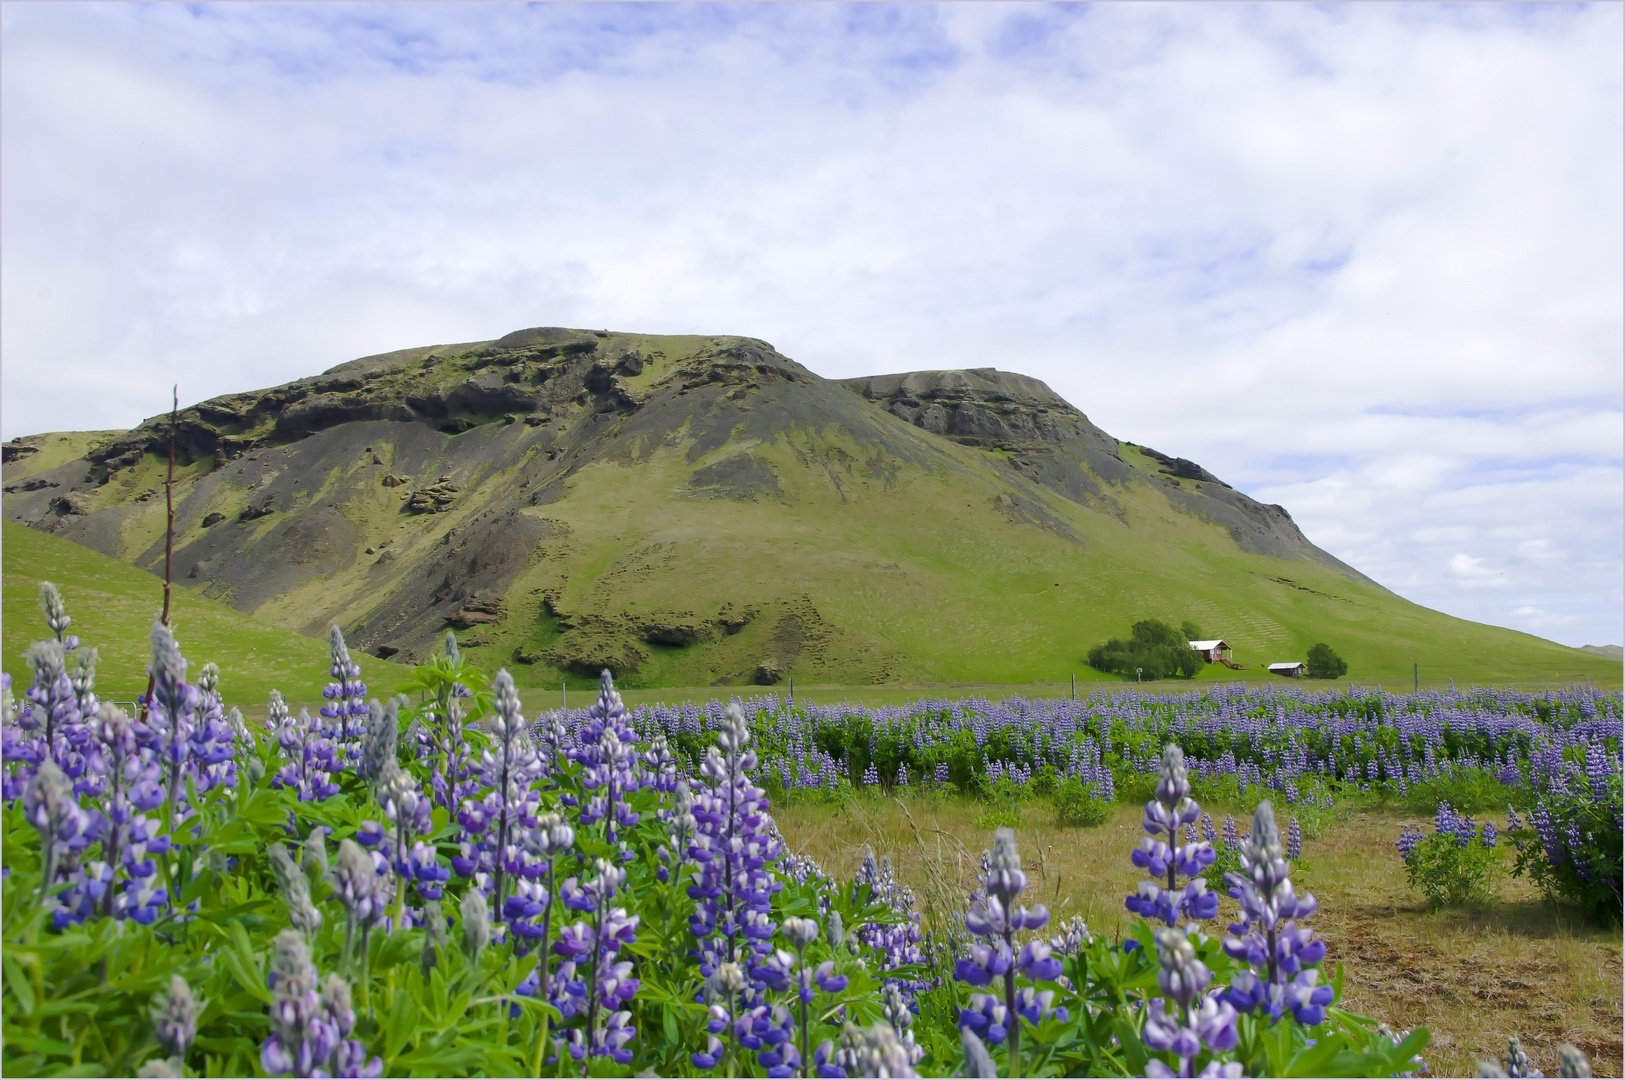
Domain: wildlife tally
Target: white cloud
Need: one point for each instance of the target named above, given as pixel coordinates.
(1535, 618)
(1363, 261)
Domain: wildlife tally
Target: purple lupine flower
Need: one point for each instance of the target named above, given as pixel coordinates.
(662, 772)
(592, 949)
(362, 883)
(784, 970)
(380, 744)
(130, 782)
(308, 753)
(212, 739)
(1294, 840)
(53, 705)
(56, 615)
(78, 757)
(673, 854)
(345, 715)
(49, 806)
(408, 813)
(1164, 815)
(895, 1010)
(303, 915)
(876, 1051)
(1267, 937)
(733, 847)
(604, 748)
(896, 943)
(303, 1036)
(721, 991)
(168, 730)
(508, 768)
(174, 1018)
(1187, 1020)
(997, 918)
(142, 896)
(349, 1055)
(1488, 834)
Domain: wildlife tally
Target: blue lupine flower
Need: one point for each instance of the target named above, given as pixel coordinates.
(1187, 1020)
(1267, 937)
(508, 768)
(733, 847)
(997, 918)
(303, 1036)
(346, 711)
(309, 755)
(1164, 815)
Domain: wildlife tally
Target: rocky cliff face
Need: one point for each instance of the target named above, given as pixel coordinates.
(404, 492)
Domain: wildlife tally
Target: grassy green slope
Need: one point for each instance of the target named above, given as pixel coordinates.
(936, 571)
(113, 605)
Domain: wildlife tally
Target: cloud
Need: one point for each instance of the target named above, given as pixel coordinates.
(1363, 260)
(1534, 618)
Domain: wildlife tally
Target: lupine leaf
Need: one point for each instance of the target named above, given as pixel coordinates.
(18, 984)
(403, 1017)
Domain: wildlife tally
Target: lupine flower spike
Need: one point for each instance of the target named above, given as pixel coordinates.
(997, 918)
(1267, 938)
(1164, 815)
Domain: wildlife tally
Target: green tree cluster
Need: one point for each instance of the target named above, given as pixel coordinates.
(1324, 663)
(1154, 650)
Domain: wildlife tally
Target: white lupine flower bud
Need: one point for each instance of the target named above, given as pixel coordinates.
(876, 1052)
(55, 611)
(313, 857)
(476, 923)
(800, 932)
(174, 1017)
(1571, 1061)
(295, 887)
(729, 978)
(434, 936)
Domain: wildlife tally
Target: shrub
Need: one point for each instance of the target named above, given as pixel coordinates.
(1458, 865)
(1470, 790)
(1324, 663)
(1076, 806)
(1005, 801)
(1570, 845)
(1154, 650)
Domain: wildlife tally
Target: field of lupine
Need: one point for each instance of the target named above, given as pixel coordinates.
(436, 884)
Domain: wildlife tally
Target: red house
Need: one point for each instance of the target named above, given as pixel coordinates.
(1212, 651)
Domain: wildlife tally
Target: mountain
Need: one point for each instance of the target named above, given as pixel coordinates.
(1616, 653)
(693, 510)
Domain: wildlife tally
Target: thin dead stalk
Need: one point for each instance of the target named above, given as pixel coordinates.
(169, 533)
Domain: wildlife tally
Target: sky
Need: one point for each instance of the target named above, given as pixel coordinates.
(1364, 261)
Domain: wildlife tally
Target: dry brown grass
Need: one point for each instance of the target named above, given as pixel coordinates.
(1472, 978)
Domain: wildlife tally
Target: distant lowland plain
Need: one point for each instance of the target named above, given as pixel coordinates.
(689, 511)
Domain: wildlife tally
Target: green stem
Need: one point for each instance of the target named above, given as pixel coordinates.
(1015, 1022)
(806, 1036)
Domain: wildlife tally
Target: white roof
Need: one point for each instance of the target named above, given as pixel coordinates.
(1293, 664)
(1205, 645)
